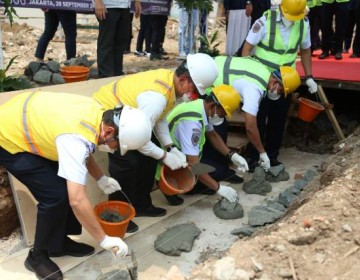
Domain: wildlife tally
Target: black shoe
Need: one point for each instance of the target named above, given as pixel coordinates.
(158, 56)
(235, 179)
(162, 51)
(338, 56)
(200, 189)
(252, 165)
(139, 53)
(127, 51)
(74, 249)
(174, 199)
(42, 266)
(152, 212)
(275, 162)
(324, 55)
(132, 227)
(355, 55)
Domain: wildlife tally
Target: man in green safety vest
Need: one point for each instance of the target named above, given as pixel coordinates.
(191, 123)
(259, 87)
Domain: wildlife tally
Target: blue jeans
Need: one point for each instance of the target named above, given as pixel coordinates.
(68, 23)
(186, 31)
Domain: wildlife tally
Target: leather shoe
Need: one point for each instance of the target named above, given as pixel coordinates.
(275, 162)
(324, 55)
(151, 212)
(338, 56)
(174, 199)
(74, 249)
(132, 227)
(44, 268)
(234, 179)
(355, 55)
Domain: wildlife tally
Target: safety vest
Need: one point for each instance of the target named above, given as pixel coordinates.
(31, 121)
(313, 3)
(126, 90)
(192, 111)
(332, 1)
(231, 68)
(271, 50)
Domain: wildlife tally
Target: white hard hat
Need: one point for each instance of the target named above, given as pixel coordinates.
(134, 129)
(203, 70)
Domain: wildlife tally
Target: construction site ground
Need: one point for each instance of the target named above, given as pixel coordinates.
(319, 237)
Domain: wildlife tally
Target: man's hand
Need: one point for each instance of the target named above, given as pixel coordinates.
(172, 161)
(312, 85)
(248, 9)
(100, 9)
(108, 185)
(264, 161)
(114, 244)
(229, 193)
(240, 162)
(180, 155)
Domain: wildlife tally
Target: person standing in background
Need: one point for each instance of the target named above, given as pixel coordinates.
(114, 21)
(68, 22)
(239, 19)
(356, 43)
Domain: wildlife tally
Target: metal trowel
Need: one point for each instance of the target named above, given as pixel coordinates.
(201, 168)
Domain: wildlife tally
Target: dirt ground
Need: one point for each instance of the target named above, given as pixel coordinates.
(319, 238)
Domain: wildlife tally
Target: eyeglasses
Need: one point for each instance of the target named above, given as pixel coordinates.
(277, 76)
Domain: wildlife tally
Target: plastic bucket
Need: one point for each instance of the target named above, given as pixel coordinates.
(74, 70)
(176, 181)
(75, 78)
(123, 209)
(308, 109)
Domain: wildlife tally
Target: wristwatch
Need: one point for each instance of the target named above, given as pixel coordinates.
(169, 148)
(248, 2)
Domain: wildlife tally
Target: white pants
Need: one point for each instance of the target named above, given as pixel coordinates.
(238, 28)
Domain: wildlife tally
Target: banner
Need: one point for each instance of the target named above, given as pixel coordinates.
(81, 6)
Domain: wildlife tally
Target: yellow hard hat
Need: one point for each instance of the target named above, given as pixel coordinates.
(290, 79)
(227, 97)
(293, 9)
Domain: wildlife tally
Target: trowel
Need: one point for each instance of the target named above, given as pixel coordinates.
(201, 168)
(132, 267)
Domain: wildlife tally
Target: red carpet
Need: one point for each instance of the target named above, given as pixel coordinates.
(347, 69)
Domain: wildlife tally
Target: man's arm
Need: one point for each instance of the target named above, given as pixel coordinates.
(305, 55)
(217, 142)
(83, 210)
(100, 9)
(246, 51)
(94, 169)
(204, 178)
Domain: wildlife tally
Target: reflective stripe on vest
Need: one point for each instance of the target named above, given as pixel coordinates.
(272, 51)
(33, 148)
(239, 72)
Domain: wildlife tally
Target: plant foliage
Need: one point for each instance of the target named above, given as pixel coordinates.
(10, 11)
(210, 46)
(202, 5)
(10, 83)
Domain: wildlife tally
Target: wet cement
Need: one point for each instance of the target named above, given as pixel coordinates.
(226, 210)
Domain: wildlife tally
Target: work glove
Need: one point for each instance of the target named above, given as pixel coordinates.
(108, 185)
(180, 155)
(264, 161)
(228, 192)
(172, 161)
(312, 85)
(240, 162)
(114, 244)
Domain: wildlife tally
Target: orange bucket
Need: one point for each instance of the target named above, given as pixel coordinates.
(176, 181)
(308, 109)
(121, 208)
(74, 70)
(75, 78)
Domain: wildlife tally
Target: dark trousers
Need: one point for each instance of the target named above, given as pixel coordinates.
(271, 120)
(356, 43)
(203, 26)
(340, 10)
(157, 26)
(68, 23)
(350, 24)
(112, 41)
(314, 20)
(144, 34)
(55, 218)
(135, 173)
(163, 21)
(259, 7)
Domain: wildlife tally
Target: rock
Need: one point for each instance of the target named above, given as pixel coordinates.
(275, 170)
(172, 243)
(226, 210)
(286, 197)
(300, 184)
(244, 231)
(275, 205)
(259, 174)
(261, 215)
(53, 66)
(57, 79)
(310, 175)
(43, 77)
(224, 269)
(282, 176)
(346, 228)
(304, 238)
(285, 273)
(256, 187)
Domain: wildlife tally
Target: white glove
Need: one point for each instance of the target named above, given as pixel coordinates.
(312, 85)
(264, 161)
(180, 155)
(240, 162)
(114, 244)
(228, 192)
(172, 161)
(108, 185)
